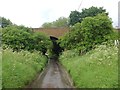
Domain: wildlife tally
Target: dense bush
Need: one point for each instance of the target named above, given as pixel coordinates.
(15, 38)
(20, 37)
(90, 32)
(41, 42)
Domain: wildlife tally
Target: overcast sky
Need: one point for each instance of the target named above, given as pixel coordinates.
(33, 13)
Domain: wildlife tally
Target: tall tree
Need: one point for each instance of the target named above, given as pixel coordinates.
(76, 16)
(5, 22)
(92, 11)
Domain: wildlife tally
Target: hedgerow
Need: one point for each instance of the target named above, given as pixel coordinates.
(21, 38)
(90, 32)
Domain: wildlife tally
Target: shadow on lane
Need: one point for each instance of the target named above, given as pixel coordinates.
(54, 76)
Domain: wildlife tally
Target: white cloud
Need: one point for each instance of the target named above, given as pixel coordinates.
(35, 12)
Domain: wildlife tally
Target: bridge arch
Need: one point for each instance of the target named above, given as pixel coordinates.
(54, 34)
(56, 49)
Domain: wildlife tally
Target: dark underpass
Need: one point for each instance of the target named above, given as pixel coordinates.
(54, 75)
(56, 50)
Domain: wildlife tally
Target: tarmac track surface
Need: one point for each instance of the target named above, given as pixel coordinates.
(54, 76)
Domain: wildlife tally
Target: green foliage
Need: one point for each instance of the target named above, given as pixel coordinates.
(47, 25)
(5, 22)
(98, 68)
(76, 16)
(61, 22)
(91, 12)
(15, 38)
(24, 60)
(20, 68)
(22, 38)
(41, 42)
(0, 36)
(0, 69)
(90, 32)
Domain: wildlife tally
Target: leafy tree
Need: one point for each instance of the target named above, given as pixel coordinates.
(90, 32)
(92, 11)
(21, 38)
(61, 22)
(5, 22)
(76, 16)
(47, 25)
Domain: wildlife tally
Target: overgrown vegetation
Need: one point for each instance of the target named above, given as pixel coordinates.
(0, 68)
(89, 54)
(23, 54)
(22, 38)
(20, 68)
(0, 58)
(98, 68)
(90, 32)
(76, 16)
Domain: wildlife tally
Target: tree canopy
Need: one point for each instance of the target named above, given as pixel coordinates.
(5, 22)
(22, 38)
(90, 32)
(76, 16)
(60, 22)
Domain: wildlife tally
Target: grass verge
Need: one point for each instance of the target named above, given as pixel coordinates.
(96, 69)
(0, 69)
(19, 68)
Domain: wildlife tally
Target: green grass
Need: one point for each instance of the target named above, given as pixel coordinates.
(20, 68)
(96, 69)
(0, 69)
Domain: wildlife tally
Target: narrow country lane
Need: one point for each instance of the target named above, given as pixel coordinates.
(54, 76)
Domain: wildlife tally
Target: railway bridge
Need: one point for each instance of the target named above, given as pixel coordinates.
(52, 32)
